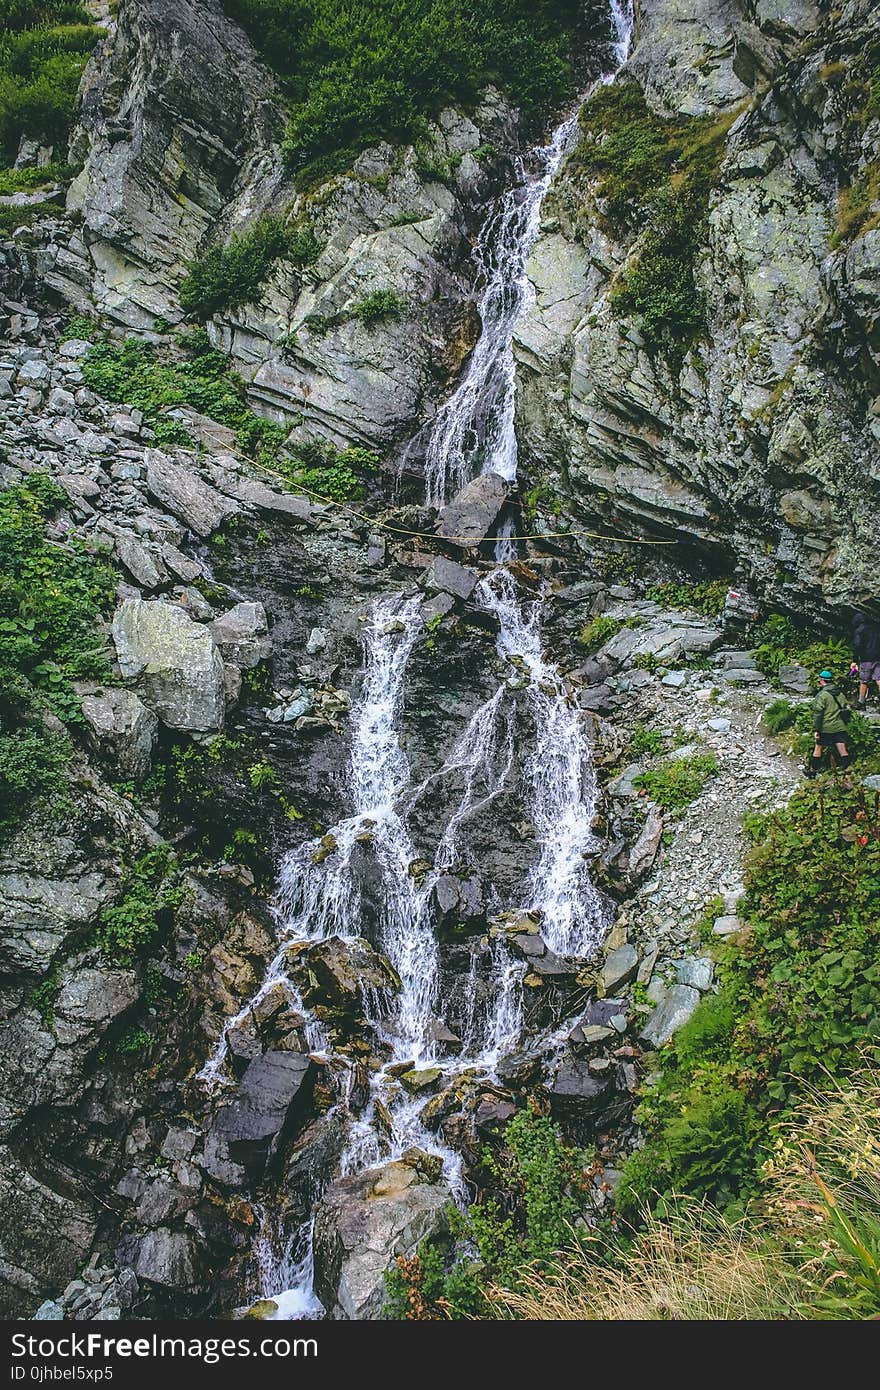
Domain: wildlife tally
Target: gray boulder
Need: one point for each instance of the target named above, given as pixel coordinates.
(271, 1099)
(45, 1237)
(644, 851)
(186, 495)
(470, 516)
(451, 578)
(122, 724)
(620, 966)
(165, 1257)
(173, 663)
(671, 1013)
(242, 634)
(365, 1221)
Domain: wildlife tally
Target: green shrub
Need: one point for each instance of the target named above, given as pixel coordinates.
(534, 1189)
(135, 1040)
(341, 476)
(27, 180)
(645, 740)
(780, 641)
(707, 597)
(647, 661)
(365, 70)
(779, 716)
(676, 784)
(226, 277)
(378, 307)
(52, 597)
(138, 375)
(598, 631)
(32, 767)
(799, 1000)
(43, 50)
(151, 893)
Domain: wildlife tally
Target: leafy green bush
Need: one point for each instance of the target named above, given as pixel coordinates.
(43, 50)
(676, 784)
(779, 716)
(378, 68)
(645, 740)
(137, 375)
(799, 999)
(598, 631)
(151, 893)
(341, 476)
(26, 180)
(535, 1188)
(780, 641)
(51, 598)
(32, 765)
(708, 596)
(228, 276)
(378, 306)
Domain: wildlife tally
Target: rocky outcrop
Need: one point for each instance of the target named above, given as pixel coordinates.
(764, 447)
(272, 1097)
(178, 115)
(365, 1221)
(173, 663)
(124, 726)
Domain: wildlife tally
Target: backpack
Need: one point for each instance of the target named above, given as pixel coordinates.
(843, 710)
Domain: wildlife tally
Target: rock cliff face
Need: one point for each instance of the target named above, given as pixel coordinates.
(179, 140)
(236, 646)
(764, 448)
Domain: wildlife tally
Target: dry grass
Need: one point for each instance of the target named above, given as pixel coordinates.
(811, 1250)
(691, 1265)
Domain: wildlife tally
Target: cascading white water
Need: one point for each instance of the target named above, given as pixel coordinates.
(320, 893)
(286, 1277)
(561, 782)
(473, 430)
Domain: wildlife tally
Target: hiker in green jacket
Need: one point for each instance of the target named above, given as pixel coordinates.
(831, 716)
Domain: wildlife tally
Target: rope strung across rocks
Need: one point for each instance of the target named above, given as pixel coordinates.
(453, 540)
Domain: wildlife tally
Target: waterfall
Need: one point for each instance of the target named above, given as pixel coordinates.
(473, 430)
(560, 779)
(320, 887)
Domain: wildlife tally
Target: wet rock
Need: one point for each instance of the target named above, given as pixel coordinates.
(334, 973)
(364, 1222)
(674, 1010)
(173, 663)
(165, 1257)
(619, 968)
(459, 900)
(416, 1080)
(437, 607)
(242, 634)
(470, 516)
(451, 578)
(269, 1104)
(491, 1114)
(644, 851)
(125, 728)
(186, 495)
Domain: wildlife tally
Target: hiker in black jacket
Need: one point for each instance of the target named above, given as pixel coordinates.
(866, 649)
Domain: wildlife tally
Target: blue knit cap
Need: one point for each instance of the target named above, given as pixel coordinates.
(826, 676)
